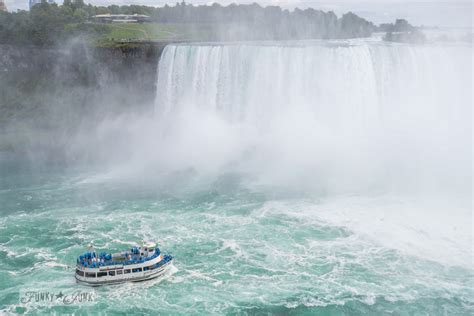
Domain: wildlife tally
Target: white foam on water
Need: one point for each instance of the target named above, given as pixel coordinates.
(431, 230)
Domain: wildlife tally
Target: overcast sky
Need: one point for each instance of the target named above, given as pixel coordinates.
(420, 12)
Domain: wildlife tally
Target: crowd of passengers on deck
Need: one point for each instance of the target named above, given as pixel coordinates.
(90, 259)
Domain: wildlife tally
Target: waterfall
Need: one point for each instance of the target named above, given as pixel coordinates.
(334, 116)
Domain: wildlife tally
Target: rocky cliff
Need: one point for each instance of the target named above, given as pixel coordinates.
(73, 86)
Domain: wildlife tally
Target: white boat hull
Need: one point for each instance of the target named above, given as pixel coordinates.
(128, 277)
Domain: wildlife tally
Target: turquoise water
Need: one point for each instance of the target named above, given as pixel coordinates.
(298, 178)
(238, 251)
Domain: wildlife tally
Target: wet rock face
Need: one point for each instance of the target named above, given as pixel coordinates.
(77, 61)
(59, 91)
(99, 77)
(15, 58)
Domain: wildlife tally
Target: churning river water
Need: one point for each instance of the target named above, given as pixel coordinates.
(299, 178)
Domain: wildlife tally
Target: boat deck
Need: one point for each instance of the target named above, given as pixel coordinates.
(134, 256)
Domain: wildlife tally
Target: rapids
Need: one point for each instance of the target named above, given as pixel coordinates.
(291, 178)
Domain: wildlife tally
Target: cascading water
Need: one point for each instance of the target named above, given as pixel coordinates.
(304, 178)
(345, 117)
(336, 120)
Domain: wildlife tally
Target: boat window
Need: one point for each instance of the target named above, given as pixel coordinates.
(146, 268)
(119, 271)
(80, 273)
(101, 274)
(137, 270)
(112, 273)
(126, 271)
(90, 275)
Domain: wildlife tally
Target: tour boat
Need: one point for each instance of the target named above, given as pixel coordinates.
(137, 264)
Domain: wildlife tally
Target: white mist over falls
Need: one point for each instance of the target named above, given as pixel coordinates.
(282, 177)
(382, 133)
(344, 118)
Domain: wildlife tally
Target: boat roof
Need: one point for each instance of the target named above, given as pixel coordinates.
(149, 245)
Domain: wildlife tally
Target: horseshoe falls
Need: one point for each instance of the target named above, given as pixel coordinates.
(326, 177)
(343, 119)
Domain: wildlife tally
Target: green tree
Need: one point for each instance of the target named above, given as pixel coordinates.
(80, 16)
(78, 4)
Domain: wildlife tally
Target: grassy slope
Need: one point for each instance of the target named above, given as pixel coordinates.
(154, 31)
(139, 32)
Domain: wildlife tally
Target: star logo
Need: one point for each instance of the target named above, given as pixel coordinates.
(60, 295)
